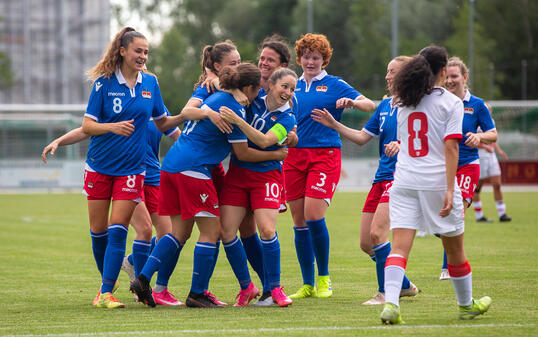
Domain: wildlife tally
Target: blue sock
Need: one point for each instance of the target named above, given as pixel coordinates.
(381, 252)
(204, 256)
(320, 244)
(140, 254)
(167, 267)
(445, 265)
(238, 260)
(271, 261)
(153, 243)
(115, 251)
(305, 254)
(99, 242)
(254, 250)
(373, 257)
(216, 257)
(165, 248)
(130, 259)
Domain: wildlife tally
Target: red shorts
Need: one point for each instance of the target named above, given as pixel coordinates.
(312, 173)
(151, 197)
(251, 189)
(188, 196)
(467, 177)
(218, 178)
(379, 193)
(99, 186)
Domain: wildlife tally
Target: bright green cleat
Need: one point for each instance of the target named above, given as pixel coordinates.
(108, 301)
(477, 307)
(391, 314)
(305, 291)
(324, 288)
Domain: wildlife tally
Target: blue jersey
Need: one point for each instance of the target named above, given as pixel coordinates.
(384, 124)
(153, 164)
(323, 92)
(202, 145)
(263, 120)
(112, 101)
(201, 94)
(476, 114)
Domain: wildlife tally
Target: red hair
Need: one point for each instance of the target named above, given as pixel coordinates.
(314, 42)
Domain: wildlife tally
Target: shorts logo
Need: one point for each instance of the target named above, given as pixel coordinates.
(469, 110)
(215, 205)
(98, 86)
(90, 185)
(146, 94)
(203, 197)
(321, 88)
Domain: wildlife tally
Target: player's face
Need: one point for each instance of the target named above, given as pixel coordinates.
(251, 92)
(311, 62)
(392, 70)
(231, 59)
(268, 62)
(455, 81)
(282, 91)
(136, 54)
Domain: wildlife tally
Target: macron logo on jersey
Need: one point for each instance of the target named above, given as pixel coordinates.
(469, 110)
(203, 197)
(98, 86)
(146, 94)
(321, 88)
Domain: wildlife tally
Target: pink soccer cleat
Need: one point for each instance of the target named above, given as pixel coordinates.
(246, 295)
(166, 298)
(280, 297)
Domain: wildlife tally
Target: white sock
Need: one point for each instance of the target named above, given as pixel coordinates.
(478, 210)
(501, 207)
(464, 289)
(394, 273)
(159, 288)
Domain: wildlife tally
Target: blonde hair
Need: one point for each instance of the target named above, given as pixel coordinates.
(455, 61)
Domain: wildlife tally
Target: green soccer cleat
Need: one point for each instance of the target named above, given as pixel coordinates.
(324, 288)
(391, 314)
(477, 307)
(305, 291)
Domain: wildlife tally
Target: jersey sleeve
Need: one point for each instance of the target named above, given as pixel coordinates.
(200, 93)
(346, 90)
(454, 121)
(372, 126)
(159, 110)
(170, 131)
(237, 136)
(485, 121)
(95, 103)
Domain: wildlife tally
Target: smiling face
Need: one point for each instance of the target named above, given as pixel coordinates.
(268, 62)
(282, 91)
(392, 69)
(135, 55)
(455, 80)
(311, 62)
(230, 59)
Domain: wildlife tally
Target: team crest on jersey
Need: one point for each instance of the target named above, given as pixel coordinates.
(90, 185)
(321, 88)
(273, 118)
(469, 110)
(146, 94)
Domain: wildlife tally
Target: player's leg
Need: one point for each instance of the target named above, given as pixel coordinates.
(253, 247)
(141, 222)
(498, 197)
(477, 203)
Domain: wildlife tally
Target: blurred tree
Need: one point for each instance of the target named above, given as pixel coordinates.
(6, 75)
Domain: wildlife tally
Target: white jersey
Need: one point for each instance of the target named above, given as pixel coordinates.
(422, 131)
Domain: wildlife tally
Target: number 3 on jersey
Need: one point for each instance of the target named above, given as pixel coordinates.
(417, 127)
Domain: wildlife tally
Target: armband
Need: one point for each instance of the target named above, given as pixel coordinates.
(280, 132)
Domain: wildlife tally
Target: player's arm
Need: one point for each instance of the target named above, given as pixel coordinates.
(72, 137)
(361, 103)
(192, 111)
(500, 151)
(325, 118)
(93, 128)
(245, 153)
(451, 155)
(474, 139)
(175, 135)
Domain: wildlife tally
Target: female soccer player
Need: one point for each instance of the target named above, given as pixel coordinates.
(123, 99)
(374, 239)
(257, 186)
(424, 194)
(312, 169)
(476, 116)
(190, 192)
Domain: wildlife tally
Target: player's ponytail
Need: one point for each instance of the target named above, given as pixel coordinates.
(112, 59)
(241, 76)
(214, 54)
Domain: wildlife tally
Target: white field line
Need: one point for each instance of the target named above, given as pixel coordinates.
(329, 328)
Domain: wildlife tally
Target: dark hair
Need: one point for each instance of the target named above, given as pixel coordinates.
(417, 77)
(240, 76)
(279, 45)
(214, 54)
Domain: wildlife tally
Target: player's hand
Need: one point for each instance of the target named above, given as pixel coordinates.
(229, 115)
(392, 148)
(291, 139)
(240, 97)
(344, 103)
(209, 82)
(219, 122)
(323, 117)
(503, 154)
(282, 153)
(447, 204)
(123, 128)
(473, 139)
(489, 148)
(49, 148)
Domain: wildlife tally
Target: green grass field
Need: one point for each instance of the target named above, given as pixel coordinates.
(48, 279)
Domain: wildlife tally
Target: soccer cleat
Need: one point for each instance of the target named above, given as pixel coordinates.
(280, 297)
(409, 292)
(505, 218)
(477, 307)
(96, 299)
(305, 291)
(203, 300)
(265, 300)
(483, 219)
(444, 274)
(214, 298)
(108, 301)
(391, 314)
(127, 267)
(246, 295)
(324, 288)
(379, 298)
(166, 298)
(140, 286)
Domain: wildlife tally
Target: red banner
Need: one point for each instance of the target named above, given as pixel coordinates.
(519, 172)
